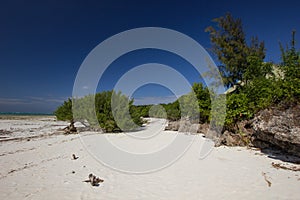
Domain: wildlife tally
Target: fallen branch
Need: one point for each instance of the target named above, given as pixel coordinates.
(74, 157)
(269, 182)
(280, 166)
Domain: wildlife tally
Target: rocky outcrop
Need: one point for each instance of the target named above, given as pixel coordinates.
(273, 128)
(232, 139)
(183, 125)
(172, 126)
(278, 127)
(241, 135)
(227, 138)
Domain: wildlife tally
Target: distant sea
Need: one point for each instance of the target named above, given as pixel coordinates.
(24, 113)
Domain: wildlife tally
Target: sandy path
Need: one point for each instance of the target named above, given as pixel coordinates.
(42, 168)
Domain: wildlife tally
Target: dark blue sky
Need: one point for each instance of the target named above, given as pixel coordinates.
(43, 43)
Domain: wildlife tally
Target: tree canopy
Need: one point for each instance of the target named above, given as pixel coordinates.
(119, 117)
(236, 56)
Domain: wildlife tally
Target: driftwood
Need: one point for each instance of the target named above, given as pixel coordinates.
(94, 180)
(74, 157)
(280, 166)
(71, 128)
(265, 177)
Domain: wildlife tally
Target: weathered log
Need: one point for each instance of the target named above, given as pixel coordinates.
(71, 128)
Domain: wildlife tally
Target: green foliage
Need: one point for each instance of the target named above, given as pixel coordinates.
(256, 69)
(204, 102)
(173, 110)
(217, 113)
(83, 109)
(291, 68)
(195, 105)
(259, 94)
(262, 93)
(290, 60)
(123, 116)
(237, 108)
(189, 106)
(229, 44)
(141, 110)
(259, 88)
(157, 111)
(64, 112)
(265, 88)
(120, 107)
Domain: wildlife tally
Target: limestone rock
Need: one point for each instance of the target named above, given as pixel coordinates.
(232, 139)
(183, 125)
(278, 127)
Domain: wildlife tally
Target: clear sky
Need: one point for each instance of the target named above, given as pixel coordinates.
(43, 43)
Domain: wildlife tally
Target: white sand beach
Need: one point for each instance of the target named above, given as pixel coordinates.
(43, 168)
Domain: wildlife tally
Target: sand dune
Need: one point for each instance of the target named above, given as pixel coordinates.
(43, 168)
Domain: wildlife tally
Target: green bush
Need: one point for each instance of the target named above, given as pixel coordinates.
(157, 111)
(64, 112)
(123, 116)
(204, 102)
(173, 110)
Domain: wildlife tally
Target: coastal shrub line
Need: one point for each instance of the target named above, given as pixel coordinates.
(252, 83)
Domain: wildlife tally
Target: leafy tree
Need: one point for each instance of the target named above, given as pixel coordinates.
(291, 68)
(229, 44)
(290, 59)
(189, 107)
(64, 112)
(237, 109)
(83, 109)
(121, 112)
(203, 97)
(157, 111)
(121, 118)
(173, 110)
(141, 110)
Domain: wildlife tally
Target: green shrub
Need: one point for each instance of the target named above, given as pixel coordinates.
(64, 112)
(123, 116)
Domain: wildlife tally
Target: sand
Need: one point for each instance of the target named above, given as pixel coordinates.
(43, 168)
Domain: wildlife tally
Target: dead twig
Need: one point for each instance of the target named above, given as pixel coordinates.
(74, 157)
(265, 177)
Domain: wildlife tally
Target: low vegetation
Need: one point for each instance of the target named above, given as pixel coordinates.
(96, 109)
(258, 84)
